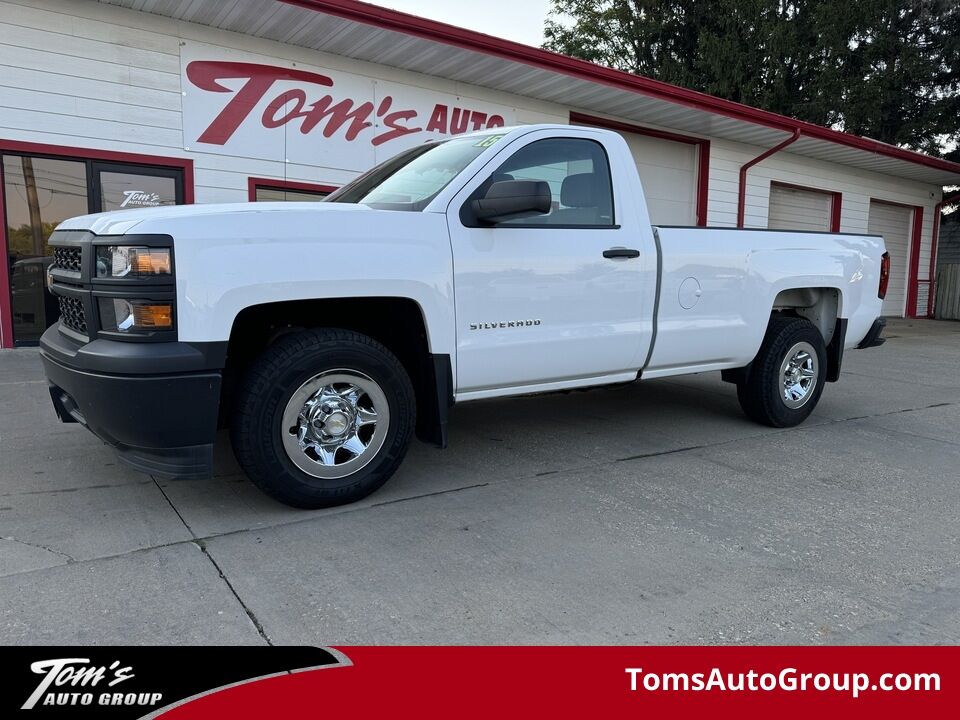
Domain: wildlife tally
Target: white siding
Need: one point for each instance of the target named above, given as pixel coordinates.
(793, 209)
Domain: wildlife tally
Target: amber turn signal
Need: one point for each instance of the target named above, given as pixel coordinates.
(135, 316)
(153, 316)
(152, 262)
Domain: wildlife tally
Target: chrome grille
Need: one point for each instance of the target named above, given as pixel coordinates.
(72, 314)
(66, 258)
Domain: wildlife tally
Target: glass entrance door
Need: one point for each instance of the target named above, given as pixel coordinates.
(40, 192)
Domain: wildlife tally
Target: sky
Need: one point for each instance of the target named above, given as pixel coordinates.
(519, 20)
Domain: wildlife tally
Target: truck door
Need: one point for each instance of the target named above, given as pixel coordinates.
(563, 297)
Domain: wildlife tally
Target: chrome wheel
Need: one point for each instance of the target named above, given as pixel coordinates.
(335, 423)
(798, 375)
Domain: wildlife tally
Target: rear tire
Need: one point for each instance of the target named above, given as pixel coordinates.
(323, 418)
(787, 376)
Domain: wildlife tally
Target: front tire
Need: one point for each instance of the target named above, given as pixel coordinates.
(787, 376)
(323, 418)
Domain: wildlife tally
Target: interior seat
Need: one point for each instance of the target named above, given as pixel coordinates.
(584, 200)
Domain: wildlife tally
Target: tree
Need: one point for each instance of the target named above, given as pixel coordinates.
(886, 69)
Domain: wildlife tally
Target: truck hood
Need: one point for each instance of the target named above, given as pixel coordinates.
(121, 222)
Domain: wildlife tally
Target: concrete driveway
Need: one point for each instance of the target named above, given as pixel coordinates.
(653, 513)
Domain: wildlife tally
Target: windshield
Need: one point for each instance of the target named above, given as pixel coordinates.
(413, 178)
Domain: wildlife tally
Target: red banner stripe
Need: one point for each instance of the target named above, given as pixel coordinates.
(475, 682)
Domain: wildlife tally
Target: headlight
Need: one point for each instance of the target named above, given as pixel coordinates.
(118, 261)
(135, 316)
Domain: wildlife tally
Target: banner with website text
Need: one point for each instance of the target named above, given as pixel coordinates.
(471, 682)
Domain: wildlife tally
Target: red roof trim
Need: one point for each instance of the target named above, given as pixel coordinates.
(487, 44)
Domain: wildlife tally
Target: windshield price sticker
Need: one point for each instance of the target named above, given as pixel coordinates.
(488, 141)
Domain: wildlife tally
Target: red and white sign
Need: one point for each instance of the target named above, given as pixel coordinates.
(253, 106)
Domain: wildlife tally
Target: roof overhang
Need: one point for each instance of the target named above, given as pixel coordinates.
(370, 33)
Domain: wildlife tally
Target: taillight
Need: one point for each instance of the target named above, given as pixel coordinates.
(884, 275)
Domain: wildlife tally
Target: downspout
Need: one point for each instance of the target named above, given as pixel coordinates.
(742, 196)
(934, 244)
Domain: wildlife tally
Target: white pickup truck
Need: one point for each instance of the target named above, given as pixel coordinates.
(325, 335)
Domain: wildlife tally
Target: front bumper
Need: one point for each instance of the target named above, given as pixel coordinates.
(155, 403)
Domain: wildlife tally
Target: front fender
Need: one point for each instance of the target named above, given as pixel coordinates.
(272, 252)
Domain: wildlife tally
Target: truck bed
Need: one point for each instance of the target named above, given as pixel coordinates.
(721, 283)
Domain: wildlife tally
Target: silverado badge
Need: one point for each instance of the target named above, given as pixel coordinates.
(509, 324)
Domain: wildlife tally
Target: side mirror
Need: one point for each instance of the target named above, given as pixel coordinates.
(513, 198)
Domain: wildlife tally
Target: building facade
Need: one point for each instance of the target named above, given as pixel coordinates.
(131, 103)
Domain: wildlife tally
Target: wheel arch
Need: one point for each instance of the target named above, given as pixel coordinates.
(821, 305)
(398, 323)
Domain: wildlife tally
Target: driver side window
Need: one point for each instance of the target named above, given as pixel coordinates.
(578, 174)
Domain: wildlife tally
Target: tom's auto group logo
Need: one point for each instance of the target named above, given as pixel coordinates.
(125, 683)
(139, 198)
(71, 681)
